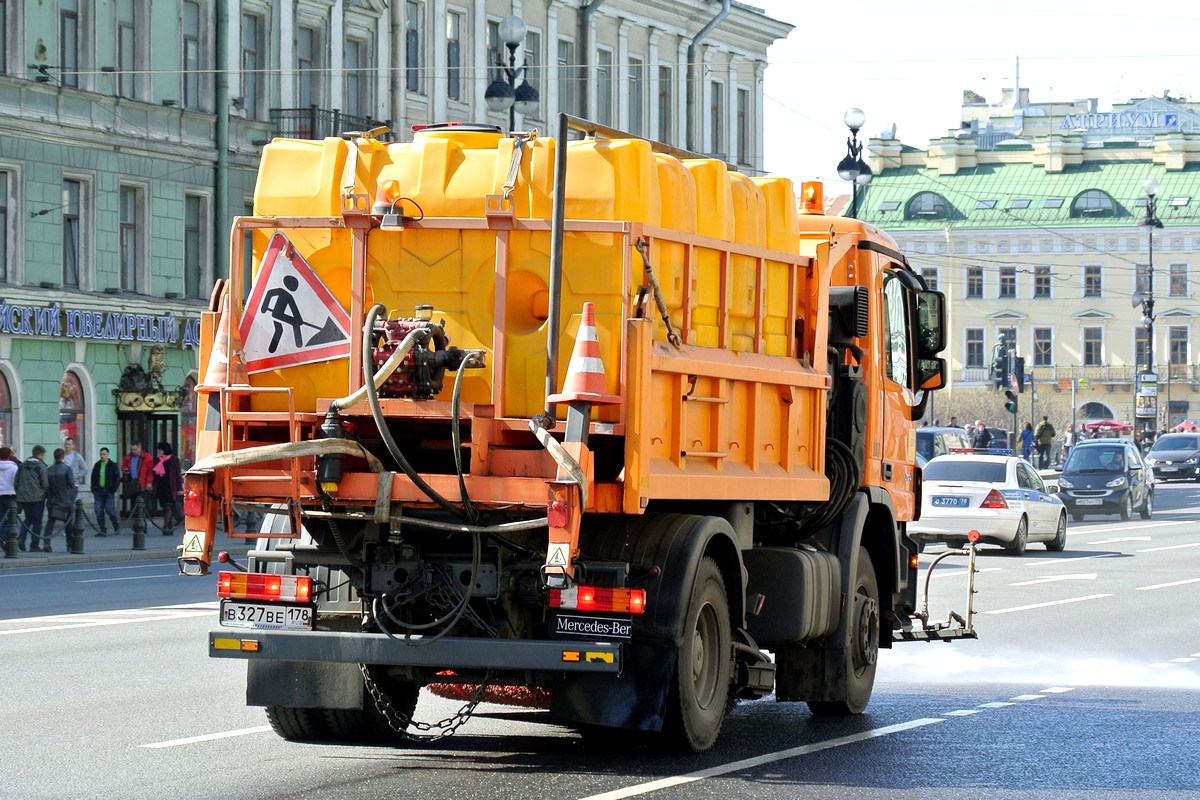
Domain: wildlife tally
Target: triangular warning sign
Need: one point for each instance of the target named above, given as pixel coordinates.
(557, 557)
(291, 317)
(193, 545)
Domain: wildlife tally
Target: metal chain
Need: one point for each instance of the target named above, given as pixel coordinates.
(400, 722)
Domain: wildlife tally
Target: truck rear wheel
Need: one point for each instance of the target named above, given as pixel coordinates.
(369, 724)
(854, 668)
(298, 724)
(699, 697)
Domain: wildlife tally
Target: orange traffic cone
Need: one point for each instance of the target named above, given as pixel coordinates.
(585, 381)
(225, 364)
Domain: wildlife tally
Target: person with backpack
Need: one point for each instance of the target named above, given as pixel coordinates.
(9, 466)
(60, 498)
(1044, 434)
(32, 485)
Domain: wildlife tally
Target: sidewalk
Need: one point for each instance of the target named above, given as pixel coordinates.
(117, 548)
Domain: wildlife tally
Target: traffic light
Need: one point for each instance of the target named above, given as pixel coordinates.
(1019, 373)
(999, 375)
(1010, 401)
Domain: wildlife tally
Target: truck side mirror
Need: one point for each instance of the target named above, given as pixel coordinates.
(931, 323)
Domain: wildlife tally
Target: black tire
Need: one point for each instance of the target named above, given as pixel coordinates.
(298, 724)
(862, 650)
(1059, 542)
(1127, 507)
(699, 697)
(1020, 539)
(368, 724)
(1147, 509)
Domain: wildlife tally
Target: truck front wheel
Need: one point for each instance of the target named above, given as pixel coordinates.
(699, 697)
(853, 668)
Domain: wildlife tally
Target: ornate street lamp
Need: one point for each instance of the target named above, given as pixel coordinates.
(852, 168)
(504, 94)
(1145, 297)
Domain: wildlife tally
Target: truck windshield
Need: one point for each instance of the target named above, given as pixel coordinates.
(965, 471)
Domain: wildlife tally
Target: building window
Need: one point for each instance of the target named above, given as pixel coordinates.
(567, 74)
(412, 47)
(1092, 284)
(130, 239)
(68, 40)
(356, 101)
(1140, 347)
(666, 105)
(927, 205)
(1179, 280)
(5, 276)
(1178, 343)
(193, 246)
(495, 52)
(1093, 347)
(975, 348)
(974, 283)
(743, 126)
(530, 72)
(307, 79)
(716, 119)
(1043, 347)
(6, 413)
(1141, 281)
(930, 274)
(253, 64)
(637, 96)
(1093, 203)
(1041, 281)
(126, 49)
(72, 231)
(604, 87)
(1008, 282)
(454, 27)
(72, 411)
(190, 52)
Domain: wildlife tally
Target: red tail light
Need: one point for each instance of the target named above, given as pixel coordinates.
(260, 586)
(601, 599)
(195, 493)
(994, 500)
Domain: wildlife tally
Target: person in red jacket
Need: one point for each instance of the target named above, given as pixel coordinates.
(137, 474)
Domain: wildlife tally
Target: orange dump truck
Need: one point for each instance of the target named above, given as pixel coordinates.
(597, 426)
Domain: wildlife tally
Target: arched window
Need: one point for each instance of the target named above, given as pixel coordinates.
(1093, 203)
(72, 411)
(927, 205)
(1096, 410)
(6, 413)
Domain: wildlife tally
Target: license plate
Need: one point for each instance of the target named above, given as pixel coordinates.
(951, 502)
(1166, 469)
(1089, 501)
(266, 616)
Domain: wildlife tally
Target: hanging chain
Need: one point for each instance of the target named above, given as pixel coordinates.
(643, 248)
(431, 732)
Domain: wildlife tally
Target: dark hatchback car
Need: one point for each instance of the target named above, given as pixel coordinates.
(1106, 476)
(1175, 456)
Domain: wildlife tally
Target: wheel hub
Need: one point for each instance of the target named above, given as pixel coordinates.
(865, 641)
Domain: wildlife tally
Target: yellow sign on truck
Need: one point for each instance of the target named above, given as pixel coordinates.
(595, 425)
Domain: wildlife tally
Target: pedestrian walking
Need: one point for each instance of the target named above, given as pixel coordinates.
(137, 474)
(75, 460)
(60, 497)
(168, 483)
(9, 466)
(1044, 433)
(1026, 438)
(105, 479)
(981, 437)
(1070, 439)
(32, 485)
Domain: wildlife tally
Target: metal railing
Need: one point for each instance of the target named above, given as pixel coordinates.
(1178, 373)
(318, 123)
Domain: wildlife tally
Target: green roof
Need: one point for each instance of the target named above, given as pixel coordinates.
(1020, 195)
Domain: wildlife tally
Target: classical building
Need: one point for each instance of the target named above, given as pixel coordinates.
(1032, 219)
(130, 132)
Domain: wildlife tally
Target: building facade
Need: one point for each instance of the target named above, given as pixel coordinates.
(1032, 219)
(130, 132)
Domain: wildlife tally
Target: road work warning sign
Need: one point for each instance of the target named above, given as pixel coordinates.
(291, 317)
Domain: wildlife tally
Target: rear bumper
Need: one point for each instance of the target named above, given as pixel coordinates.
(445, 653)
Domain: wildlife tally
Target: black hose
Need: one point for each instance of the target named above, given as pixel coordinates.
(456, 438)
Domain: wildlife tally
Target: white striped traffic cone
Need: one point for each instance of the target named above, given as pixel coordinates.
(585, 381)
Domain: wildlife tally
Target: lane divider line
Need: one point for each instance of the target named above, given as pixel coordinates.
(1167, 547)
(1165, 585)
(996, 704)
(966, 712)
(1058, 689)
(1050, 603)
(208, 737)
(1028, 697)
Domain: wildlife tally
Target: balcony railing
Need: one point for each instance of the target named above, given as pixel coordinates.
(1179, 373)
(318, 123)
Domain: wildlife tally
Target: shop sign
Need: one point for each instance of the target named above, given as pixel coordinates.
(110, 326)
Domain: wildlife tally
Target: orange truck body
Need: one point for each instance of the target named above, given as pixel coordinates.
(739, 348)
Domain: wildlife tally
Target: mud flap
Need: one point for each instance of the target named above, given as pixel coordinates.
(634, 700)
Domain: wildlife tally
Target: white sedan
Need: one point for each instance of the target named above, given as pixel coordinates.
(1002, 497)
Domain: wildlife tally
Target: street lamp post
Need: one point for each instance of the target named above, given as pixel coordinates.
(1144, 296)
(504, 94)
(852, 168)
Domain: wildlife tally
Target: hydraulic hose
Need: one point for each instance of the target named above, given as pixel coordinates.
(277, 452)
(382, 374)
(456, 438)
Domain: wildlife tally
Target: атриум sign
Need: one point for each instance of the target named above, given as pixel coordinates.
(1119, 120)
(110, 326)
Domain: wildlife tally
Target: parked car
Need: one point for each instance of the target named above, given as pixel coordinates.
(1106, 476)
(1002, 497)
(999, 439)
(1174, 456)
(937, 441)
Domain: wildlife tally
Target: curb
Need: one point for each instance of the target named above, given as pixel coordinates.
(66, 559)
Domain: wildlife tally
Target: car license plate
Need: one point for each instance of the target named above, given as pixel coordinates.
(1089, 501)
(951, 502)
(1166, 469)
(266, 616)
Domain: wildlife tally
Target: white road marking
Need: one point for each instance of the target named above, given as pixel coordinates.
(1058, 689)
(130, 578)
(963, 713)
(21, 573)
(1069, 560)
(1052, 578)
(1051, 603)
(962, 573)
(997, 704)
(96, 619)
(208, 737)
(1028, 697)
(1169, 547)
(1122, 539)
(1165, 585)
(1184, 660)
(758, 761)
